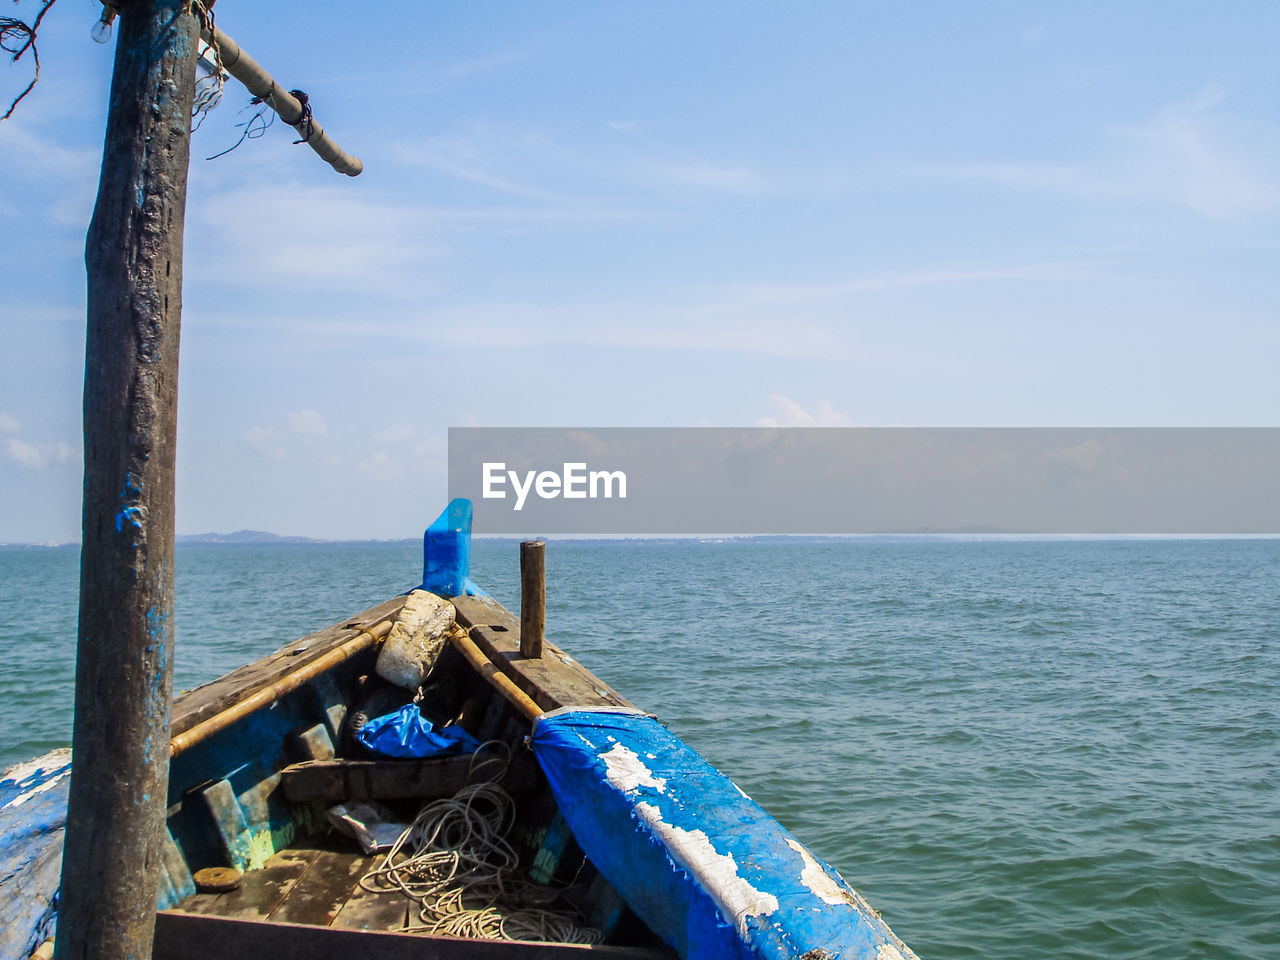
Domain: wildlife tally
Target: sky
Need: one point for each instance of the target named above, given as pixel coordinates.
(660, 214)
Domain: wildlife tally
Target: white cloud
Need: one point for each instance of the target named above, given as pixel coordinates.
(818, 320)
(791, 414)
(474, 67)
(475, 158)
(322, 238)
(1203, 158)
(9, 423)
(655, 326)
(395, 453)
(1192, 154)
(24, 453)
(399, 453)
(710, 176)
(533, 167)
(68, 178)
(266, 441)
(34, 154)
(39, 455)
(394, 434)
(821, 320)
(307, 423)
(306, 439)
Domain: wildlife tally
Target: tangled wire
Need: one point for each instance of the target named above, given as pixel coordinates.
(209, 75)
(254, 127)
(455, 862)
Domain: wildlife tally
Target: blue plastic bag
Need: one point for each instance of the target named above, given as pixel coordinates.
(407, 733)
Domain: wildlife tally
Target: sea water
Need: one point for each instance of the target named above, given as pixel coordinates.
(1014, 749)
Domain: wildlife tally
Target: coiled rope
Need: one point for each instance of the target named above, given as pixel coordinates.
(455, 862)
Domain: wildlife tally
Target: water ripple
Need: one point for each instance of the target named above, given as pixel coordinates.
(1061, 750)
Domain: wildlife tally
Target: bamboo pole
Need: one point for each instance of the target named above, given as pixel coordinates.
(124, 670)
(291, 110)
(489, 670)
(270, 694)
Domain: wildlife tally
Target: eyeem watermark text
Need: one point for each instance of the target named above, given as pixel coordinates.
(574, 482)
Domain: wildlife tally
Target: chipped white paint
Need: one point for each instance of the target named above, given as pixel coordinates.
(29, 768)
(716, 872)
(627, 772)
(817, 880)
(830, 891)
(36, 791)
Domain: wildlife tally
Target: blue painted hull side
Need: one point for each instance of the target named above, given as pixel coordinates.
(33, 814)
(702, 864)
(255, 820)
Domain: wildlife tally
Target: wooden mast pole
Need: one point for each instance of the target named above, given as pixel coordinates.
(124, 662)
(124, 659)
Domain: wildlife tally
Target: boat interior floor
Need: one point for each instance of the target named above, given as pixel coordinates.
(316, 884)
(307, 902)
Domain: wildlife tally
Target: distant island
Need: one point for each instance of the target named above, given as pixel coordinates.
(237, 538)
(243, 536)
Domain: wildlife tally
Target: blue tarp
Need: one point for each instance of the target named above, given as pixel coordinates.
(407, 733)
(702, 864)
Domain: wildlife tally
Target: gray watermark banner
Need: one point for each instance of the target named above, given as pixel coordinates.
(787, 480)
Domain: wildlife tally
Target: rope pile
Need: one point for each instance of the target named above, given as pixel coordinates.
(455, 862)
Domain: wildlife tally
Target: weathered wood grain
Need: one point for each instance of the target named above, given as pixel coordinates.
(124, 658)
(322, 890)
(338, 780)
(553, 680)
(260, 892)
(181, 936)
(533, 597)
(363, 910)
(212, 698)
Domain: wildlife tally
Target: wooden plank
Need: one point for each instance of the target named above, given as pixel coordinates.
(322, 890)
(363, 910)
(212, 698)
(340, 779)
(260, 892)
(314, 743)
(332, 701)
(552, 680)
(228, 819)
(174, 870)
(181, 936)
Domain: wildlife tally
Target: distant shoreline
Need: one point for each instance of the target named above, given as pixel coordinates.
(265, 538)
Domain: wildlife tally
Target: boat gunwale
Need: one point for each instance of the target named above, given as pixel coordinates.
(208, 700)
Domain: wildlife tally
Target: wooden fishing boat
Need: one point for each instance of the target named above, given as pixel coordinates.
(580, 826)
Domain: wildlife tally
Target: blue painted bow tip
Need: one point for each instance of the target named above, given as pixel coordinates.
(446, 552)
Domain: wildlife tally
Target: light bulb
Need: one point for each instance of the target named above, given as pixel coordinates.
(101, 31)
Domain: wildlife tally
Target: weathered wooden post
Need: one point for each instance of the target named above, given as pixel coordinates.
(124, 665)
(533, 597)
